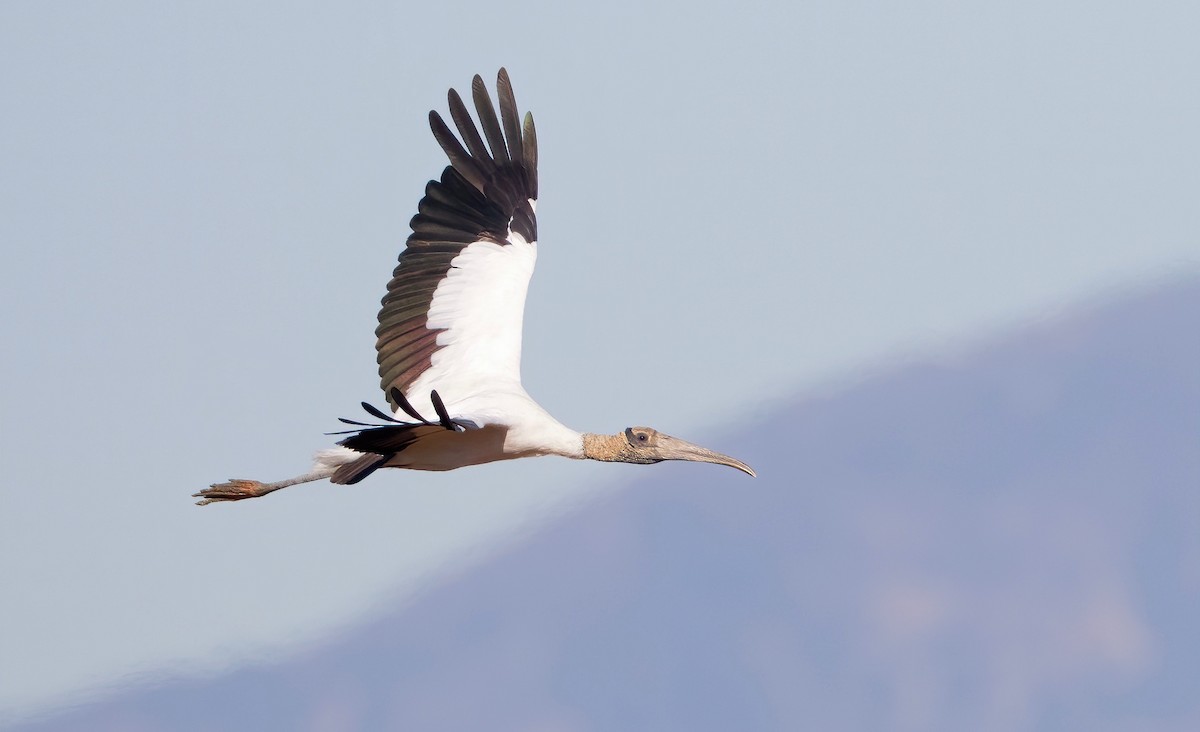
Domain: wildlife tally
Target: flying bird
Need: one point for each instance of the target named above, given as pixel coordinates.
(449, 334)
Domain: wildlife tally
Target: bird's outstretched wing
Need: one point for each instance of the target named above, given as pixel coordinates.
(451, 319)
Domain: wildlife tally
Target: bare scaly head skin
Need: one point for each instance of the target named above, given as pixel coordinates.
(645, 445)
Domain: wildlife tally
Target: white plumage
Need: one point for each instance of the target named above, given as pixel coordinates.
(449, 334)
(480, 304)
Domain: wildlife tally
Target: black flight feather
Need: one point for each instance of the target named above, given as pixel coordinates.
(466, 128)
(509, 116)
(467, 166)
(376, 413)
(398, 398)
(440, 408)
(487, 119)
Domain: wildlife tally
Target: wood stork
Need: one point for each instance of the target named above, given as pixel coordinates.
(449, 334)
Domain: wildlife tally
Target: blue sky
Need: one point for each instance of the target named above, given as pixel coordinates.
(200, 205)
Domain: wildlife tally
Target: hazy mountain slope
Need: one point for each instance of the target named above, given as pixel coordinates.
(1006, 540)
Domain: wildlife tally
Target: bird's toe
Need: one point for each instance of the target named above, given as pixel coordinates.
(234, 489)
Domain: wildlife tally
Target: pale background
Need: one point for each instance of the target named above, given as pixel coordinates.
(201, 203)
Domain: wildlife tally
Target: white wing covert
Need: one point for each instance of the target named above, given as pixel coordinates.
(451, 319)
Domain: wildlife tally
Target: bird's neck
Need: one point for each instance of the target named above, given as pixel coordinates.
(603, 447)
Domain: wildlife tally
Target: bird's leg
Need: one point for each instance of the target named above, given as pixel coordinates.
(236, 489)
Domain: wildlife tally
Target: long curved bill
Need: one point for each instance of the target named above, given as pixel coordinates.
(673, 448)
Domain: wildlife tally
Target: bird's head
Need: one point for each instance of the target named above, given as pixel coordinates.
(645, 445)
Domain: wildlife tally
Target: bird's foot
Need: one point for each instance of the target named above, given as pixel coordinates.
(234, 489)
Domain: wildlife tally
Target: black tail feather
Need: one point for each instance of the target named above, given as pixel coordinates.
(379, 443)
(353, 472)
